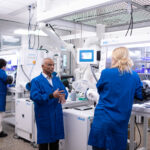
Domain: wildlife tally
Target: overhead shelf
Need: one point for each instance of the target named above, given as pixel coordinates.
(113, 15)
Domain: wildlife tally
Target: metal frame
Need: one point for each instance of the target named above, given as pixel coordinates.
(71, 25)
(137, 23)
(68, 22)
(140, 7)
(146, 116)
(125, 26)
(83, 10)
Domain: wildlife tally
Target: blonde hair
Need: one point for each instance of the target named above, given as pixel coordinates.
(121, 59)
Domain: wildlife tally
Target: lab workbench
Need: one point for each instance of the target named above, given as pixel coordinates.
(144, 111)
(71, 104)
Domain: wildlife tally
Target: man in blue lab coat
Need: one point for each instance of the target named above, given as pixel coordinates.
(4, 80)
(48, 93)
(117, 87)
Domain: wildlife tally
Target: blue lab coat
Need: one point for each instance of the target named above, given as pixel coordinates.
(3, 90)
(48, 112)
(117, 91)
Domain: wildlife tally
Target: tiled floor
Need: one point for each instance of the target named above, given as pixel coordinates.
(10, 143)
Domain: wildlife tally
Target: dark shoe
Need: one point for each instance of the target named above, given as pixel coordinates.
(3, 134)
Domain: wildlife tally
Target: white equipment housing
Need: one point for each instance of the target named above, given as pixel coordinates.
(25, 121)
(77, 125)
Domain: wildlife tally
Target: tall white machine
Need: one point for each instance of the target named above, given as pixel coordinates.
(25, 121)
(77, 124)
(29, 66)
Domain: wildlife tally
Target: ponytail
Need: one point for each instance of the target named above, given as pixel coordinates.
(122, 59)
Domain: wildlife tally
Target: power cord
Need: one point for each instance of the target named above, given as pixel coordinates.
(139, 135)
(49, 25)
(25, 73)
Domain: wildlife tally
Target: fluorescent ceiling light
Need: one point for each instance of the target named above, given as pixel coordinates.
(31, 32)
(78, 36)
(11, 39)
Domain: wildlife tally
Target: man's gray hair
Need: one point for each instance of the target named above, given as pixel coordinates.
(43, 61)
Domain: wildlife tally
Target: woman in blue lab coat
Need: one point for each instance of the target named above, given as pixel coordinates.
(48, 93)
(117, 87)
(4, 80)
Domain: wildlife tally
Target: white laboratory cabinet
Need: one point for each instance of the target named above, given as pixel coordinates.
(77, 125)
(25, 122)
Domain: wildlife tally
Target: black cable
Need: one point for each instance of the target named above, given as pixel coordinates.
(42, 49)
(131, 26)
(38, 45)
(54, 31)
(34, 37)
(29, 27)
(25, 73)
(128, 28)
(93, 73)
(131, 22)
(49, 25)
(139, 135)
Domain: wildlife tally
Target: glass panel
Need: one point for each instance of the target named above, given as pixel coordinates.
(140, 57)
(9, 41)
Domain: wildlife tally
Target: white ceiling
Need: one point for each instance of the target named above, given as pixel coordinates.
(16, 10)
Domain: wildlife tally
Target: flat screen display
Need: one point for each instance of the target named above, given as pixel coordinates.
(86, 55)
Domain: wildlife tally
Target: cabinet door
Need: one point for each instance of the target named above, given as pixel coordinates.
(24, 115)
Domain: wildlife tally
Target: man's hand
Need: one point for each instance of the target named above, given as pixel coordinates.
(62, 99)
(58, 94)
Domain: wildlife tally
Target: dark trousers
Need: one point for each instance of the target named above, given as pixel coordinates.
(49, 146)
(96, 148)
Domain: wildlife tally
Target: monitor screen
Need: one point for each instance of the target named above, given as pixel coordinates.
(86, 56)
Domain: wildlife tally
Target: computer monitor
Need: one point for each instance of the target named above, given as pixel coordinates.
(87, 56)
